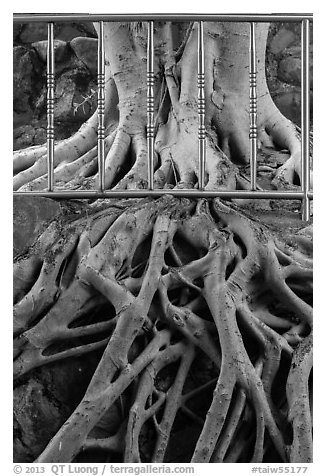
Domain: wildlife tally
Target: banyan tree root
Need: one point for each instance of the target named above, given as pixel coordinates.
(175, 107)
(177, 283)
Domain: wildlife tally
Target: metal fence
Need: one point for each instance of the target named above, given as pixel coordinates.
(304, 194)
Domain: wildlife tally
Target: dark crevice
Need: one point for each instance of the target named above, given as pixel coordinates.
(68, 268)
(204, 312)
(62, 345)
(102, 310)
(238, 241)
(230, 268)
(184, 249)
(141, 256)
(300, 289)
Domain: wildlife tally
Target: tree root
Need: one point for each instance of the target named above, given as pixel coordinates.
(174, 282)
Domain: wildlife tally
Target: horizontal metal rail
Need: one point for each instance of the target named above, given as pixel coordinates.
(82, 17)
(187, 193)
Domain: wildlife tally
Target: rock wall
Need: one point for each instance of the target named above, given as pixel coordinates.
(75, 48)
(284, 68)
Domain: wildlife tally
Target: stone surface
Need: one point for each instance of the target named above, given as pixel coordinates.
(68, 31)
(60, 49)
(289, 68)
(43, 403)
(86, 50)
(17, 28)
(32, 32)
(31, 214)
(282, 40)
(22, 78)
(34, 418)
(71, 97)
(289, 103)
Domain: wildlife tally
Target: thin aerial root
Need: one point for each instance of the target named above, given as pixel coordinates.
(297, 391)
(41, 294)
(259, 445)
(215, 418)
(198, 331)
(275, 279)
(110, 444)
(172, 404)
(230, 429)
(91, 329)
(99, 396)
(192, 415)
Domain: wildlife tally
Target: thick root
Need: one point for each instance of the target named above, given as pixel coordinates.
(176, 283)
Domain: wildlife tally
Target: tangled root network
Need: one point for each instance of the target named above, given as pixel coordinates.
(205, 322)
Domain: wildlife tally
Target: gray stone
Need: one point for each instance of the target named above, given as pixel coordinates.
(289, 103)
(16, 30)
(33, 32)
(282, 40)
(31, 214)
(60, 49)
(88, 28)
(43, 403)
(294, 50)
(22, 79)
(289, 69)
(86, 50)
(64, 94)
(28, 134)
(35, 418)
(24, 134)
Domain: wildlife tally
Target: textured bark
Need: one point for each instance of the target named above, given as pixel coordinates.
(176, 158)
(178, 284)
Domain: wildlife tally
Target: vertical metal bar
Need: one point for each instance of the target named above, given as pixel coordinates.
(100, 107)
(305, 119)
(150, 104)
(253, 106)
(201, 107)
(50, 106)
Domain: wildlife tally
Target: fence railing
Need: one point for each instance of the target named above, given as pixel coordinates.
(304, 194)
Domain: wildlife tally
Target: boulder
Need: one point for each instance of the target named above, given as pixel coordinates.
(289, 103)
(86, 50)
(36, 418)
(16, 30)
(60, 50)
(23, 86)
(282, 40)
(33, 32)
(31, 214)
(69, 31)
(289, 68)
(43, 403)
